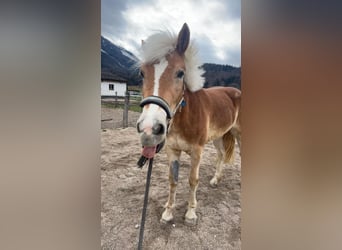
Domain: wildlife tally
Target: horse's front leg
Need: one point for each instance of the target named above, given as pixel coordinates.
(173, 158)
(190, 216)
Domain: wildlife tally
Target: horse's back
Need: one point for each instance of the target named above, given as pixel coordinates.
(222, 108)
(222, 98)
(232, 92)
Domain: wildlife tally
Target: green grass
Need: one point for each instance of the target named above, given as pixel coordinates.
(135, 108)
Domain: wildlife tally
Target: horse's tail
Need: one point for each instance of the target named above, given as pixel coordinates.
(235, 132)
(228, 144)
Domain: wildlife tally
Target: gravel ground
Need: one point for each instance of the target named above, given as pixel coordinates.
(122, 190)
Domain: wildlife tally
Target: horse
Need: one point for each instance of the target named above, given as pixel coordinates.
(180, 113)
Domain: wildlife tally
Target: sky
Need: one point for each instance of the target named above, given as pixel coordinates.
(215, 25)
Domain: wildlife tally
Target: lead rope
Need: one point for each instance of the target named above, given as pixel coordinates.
(141, 163)
(143, 215)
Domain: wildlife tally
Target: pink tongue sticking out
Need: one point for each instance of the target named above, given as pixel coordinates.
(149, 152)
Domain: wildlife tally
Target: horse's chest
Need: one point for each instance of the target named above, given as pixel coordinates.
(177, 142)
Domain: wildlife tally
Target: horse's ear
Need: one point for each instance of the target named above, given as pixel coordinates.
(183, 39)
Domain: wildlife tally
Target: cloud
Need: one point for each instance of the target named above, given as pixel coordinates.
(112, 21)
(215, 25)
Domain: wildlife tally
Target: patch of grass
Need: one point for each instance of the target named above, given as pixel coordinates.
(135, 98)
(135, 108)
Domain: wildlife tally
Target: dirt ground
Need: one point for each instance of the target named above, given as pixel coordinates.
(122, 191)
(112, 118)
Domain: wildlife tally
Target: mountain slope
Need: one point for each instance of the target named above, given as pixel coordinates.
(118, 64)
(222, 75)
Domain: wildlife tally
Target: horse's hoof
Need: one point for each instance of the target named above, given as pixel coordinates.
(166, 216)
(213, 182)
(165, 221)
(190, 222)
(213, 185)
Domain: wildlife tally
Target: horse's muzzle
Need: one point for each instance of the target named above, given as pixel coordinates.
(152, 124)
(151, 136)
(157, 129)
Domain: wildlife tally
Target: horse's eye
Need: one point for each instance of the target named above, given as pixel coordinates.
(142, 74)
(180, 74)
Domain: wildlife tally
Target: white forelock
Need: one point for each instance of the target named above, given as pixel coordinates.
(160, 44)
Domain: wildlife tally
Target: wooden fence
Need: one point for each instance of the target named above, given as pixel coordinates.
(121, 103)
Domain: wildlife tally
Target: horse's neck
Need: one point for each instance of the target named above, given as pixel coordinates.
(185, 115)
(189, 123)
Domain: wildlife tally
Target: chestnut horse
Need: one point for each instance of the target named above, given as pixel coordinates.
(178, 111)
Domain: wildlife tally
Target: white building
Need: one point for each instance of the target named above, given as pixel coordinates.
(111, 88)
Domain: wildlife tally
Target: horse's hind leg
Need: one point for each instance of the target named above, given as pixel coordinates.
(173, 157)
(225, 151)
(218, 143)
(190, 216)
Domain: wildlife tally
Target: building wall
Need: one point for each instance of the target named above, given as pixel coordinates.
(119, 87)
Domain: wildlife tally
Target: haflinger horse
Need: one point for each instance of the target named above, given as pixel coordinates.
(179, 112)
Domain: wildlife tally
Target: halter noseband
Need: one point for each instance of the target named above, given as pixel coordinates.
(158, 101)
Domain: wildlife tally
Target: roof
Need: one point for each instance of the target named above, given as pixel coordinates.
(106, 76)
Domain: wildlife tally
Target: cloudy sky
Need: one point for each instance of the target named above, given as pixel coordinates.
(215, 25)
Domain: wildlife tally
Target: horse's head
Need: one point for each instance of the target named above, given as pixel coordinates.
(163, 85)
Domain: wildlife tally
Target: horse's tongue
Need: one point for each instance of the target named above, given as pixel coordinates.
(149, 152)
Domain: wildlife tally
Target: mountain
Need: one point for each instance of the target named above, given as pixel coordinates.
(221, 75)
(119, 64)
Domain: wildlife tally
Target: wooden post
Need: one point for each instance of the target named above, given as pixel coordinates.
(116, 99)
(125, 111)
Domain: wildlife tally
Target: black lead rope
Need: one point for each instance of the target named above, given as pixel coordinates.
(143, 215)
(142, 161)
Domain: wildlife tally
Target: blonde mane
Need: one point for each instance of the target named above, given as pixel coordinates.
(160, 44)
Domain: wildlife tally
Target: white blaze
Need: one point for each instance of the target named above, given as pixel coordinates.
(154, 112)
(158, 71)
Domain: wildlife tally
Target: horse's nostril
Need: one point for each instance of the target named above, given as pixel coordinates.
(158, 129)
